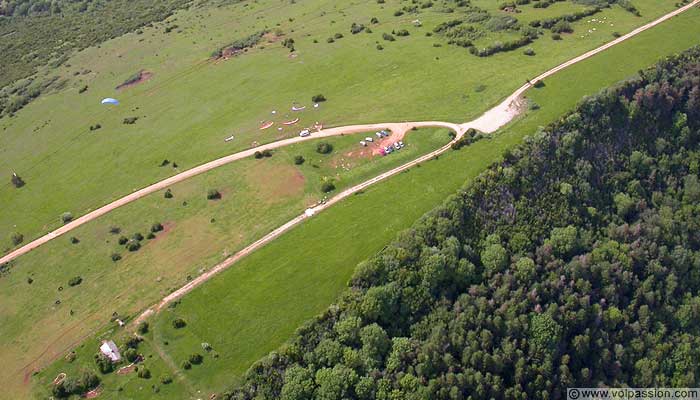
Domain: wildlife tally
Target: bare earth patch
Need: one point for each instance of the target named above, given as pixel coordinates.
(143, 76)
(275, 183)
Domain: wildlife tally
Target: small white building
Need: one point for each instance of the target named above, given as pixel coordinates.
(110, 350)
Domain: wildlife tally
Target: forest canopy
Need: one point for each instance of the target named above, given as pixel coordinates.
(574, 262)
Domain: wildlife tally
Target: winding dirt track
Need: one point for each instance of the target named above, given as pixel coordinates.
(489, 122)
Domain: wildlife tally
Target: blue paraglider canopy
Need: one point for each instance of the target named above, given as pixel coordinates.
(110, 100)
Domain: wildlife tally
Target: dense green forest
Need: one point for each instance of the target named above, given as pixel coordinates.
(36, 33)
(573, 262)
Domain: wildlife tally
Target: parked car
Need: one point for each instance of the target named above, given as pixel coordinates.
(401, 144)
(396, 146)
(305, 133)
(363, 143)
(369, 139)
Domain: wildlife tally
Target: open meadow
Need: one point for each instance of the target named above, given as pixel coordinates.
(255, 306)
(183, 234)
(187, 103)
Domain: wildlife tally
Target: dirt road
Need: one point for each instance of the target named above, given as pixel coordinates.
(489, 122)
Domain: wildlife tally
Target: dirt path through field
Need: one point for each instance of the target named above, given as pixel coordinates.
(489, 122)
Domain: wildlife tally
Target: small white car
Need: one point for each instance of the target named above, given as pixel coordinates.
(305, 133)
(379, 134)
(369, 139)
(401, 144)
(363, 143)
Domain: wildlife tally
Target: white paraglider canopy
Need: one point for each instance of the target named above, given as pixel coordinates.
(110, 100)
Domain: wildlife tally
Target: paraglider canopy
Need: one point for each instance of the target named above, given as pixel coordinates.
(110, 100)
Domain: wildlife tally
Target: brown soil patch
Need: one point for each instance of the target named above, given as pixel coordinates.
(167, 227)
(387, 141)
(143, 77)
(270, 37)
(126, 370)
(274, 183)
(93, 393)
(348, 160)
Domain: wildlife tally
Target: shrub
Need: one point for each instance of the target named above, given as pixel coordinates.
(380, 47)
(66, 217)
(168, 194)
(355, 28)
(324, 148)
(132, 342)
(529, 51)
(95, 127)
(327, 186)
(179, 323)
(338, 36)
(130, 120)
(114, 230)
(166, 379)
(318, 98)
(131, 354)
(402, 32)
(137, 236)
(133, 245)
(74, 240)
(165, 162)
(556, 36)
(104, 364)
(562, 27)
(87, 380)
(144, 373)
(157, 227)
(388, 37)
(213, 194)
(616, 34)
(196, 359)
(267, 153)
(17, 181)
(186, 365)
(298, 160)
(150, 236)
(83, 89)
(330, 40)
(258, 155)
(374, 20)
(116, 257)
(16, 238)
(398, 13)
(75, 281)
(142, 328)
(123, 240)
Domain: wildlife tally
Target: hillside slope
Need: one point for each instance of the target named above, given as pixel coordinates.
(572, 263)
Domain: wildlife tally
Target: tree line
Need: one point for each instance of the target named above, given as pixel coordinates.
(573, 262)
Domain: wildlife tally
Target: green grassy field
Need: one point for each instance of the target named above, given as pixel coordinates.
(191, 104)
(257, 196)
(252, 308)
